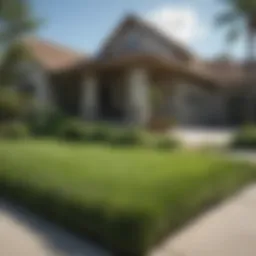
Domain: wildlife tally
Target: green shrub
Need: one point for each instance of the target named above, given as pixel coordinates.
(245, 138)
(125, 136)
(76, 130)
(73, 130)
(96, 132)
(101, 132)
(160, 141)
(166, 143)
(13, 130)
(10, 104)
(46, 122)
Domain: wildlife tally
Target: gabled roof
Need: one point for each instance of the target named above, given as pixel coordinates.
(132, 20)
(53, 56)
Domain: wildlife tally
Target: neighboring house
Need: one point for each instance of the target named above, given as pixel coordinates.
(138, 76)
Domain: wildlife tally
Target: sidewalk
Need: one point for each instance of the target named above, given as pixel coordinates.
(196, 137)
(228, 230)
(23, 234)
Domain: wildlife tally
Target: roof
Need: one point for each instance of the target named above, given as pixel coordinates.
(227, 72)
(132, 20)
(150, 62)
(53, 56)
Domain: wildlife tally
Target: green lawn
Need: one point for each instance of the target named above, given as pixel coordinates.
(126, 198)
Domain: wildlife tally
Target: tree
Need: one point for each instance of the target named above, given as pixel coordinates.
(16, 21)
(240, 16)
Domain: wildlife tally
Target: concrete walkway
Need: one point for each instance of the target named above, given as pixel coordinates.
(23, 234)
(196, 137)
(228, 230)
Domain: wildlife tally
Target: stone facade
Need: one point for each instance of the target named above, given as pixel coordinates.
(39, 82)
(89, 98)
(138, 102)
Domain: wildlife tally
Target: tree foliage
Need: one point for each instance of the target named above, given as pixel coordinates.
(16, 21)
(240, 16)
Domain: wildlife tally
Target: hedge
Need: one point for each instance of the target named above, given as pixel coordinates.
(14, 130)
(245, 138)
(126, 199)
(79, 131)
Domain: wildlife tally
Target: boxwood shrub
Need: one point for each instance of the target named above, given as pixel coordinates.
(245, 138)
(165, 142)
(46, 122)
(125, 136)
(14, 130)
(73, 130)
(76, 130)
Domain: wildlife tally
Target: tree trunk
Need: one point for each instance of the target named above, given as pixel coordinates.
(248, 68)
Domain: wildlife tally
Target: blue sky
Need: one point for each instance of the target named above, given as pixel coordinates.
(84, 24)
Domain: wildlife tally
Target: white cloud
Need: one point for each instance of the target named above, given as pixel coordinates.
(180, 22)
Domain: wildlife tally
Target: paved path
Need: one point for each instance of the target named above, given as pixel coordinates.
(23, 234)
(228, 230)
(196, 137)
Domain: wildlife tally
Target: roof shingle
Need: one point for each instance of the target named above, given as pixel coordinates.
(53, 56)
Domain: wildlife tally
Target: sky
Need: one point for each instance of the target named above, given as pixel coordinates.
(84, 24)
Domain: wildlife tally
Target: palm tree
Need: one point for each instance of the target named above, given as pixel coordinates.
(240, 16)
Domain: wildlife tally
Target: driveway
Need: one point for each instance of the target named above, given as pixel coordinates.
(228, 230)
(23, 234)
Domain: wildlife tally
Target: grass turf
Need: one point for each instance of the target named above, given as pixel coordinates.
(126, 198)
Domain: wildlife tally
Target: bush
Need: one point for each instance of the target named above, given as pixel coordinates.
(14, 130)
(245, 138)
(125, 136)
(160, 141)
(46, 122)
(125, 199)
(76, 130)
(101, 132)
(166, 143)
(73, 130)
(10, 104)
(96, 132)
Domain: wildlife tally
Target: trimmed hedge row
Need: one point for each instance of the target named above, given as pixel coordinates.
(76, 130)
(119, 231)
(55, 125)
(79, 131)
(14, 130)
(125, 199)
(245, 138)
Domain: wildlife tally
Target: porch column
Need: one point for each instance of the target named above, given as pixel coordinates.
(43, 90)
(89, 98)
(138, 97)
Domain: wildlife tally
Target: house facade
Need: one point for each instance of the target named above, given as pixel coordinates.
(138, 77)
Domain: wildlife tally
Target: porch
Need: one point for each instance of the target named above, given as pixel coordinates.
(143, 91)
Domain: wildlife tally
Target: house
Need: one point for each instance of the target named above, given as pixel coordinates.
(140, 77)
